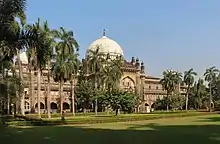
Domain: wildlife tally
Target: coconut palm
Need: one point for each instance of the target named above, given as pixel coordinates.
(61, 73)
(169, 81)
(12, 36)
(39, 49)
(73, 59)
(51, 43)
(31, 65)
(9, 11)
(67, 43)
(112, 73)
(96, 62)
(22, 39)
(62, 67)
(210, 75)
(188, 79)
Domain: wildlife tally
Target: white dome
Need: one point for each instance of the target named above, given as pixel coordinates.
(23, 58)
(106, 46)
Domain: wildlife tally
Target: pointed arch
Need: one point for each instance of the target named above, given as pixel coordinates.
(127, 81)
(53, 105)
(146, 104)
(42, 106)
(66, 106)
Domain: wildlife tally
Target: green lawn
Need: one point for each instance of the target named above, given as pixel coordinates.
(197, 129)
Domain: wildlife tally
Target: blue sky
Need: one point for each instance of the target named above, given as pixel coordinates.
(177, 34)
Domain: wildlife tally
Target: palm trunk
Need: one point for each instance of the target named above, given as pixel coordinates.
(187, 99)
(48, 91)
(96, 101)
(8, 97)
(21, 96)
(73, 95)
(167, 102)
(31, 87)
(61, 96)
(16, 95)
(38, 90)
(210, 98)
(45, 93)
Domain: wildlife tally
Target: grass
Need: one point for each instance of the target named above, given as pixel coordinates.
(191, 130)
(91, 119)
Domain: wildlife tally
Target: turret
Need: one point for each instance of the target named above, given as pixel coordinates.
(142, 68)
(137, 64)
(133, 61)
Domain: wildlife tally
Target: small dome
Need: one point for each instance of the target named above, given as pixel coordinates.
(23, 58)
(106, 46)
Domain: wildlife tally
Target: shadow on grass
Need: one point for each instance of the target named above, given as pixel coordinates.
(136, 134)
(210, 119)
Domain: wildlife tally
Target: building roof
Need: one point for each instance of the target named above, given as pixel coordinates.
(151, 77)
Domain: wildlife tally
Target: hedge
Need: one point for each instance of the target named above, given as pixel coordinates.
(30, 121)
(57, 115)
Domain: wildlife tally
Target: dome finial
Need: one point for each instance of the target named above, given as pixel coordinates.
(104, 32)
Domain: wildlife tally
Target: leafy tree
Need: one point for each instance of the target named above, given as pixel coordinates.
(198, 94)
(84, 94)
(129, 101)
(216, 91)
(118, 99)
(177, 101)
(161, 104)
(188, 80)
(210, 75)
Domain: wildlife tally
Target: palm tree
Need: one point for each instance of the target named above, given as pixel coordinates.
(112, 73)
(9, 11)
(169, 81)
(15, 37)
(35, 57)
(188, 79)
(210, 75)
(10, 30)
(51, 43)
(95, 68)
(67, 43)
(61, 73)
(73, 59)
(62, 67)
(31, 64)
(178, 76)
(40, 50)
